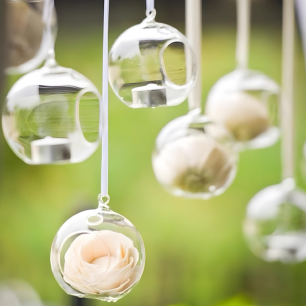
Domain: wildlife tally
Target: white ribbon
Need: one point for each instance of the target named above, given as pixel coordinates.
(150, 6)
(287, 115)
(301, 13)
(194, 34)
(243, 33)
(104, 105)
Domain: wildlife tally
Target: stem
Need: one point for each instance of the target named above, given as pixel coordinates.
(104, 105)
(194, 34)
(243, 33)
(287, 114)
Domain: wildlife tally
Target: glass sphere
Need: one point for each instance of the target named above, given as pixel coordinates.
(29, 36)
(152, 64)
(18, 293)
(98, 254)
(51, 115)
(194, 157)
(275, 225)
(246, 103)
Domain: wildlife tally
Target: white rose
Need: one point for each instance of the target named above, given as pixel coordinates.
(245, 116)
(103, 262)
(195, 163)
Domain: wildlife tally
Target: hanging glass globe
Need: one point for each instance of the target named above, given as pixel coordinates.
(152, 64)
(98, 254)
(246, 103)
(28, 34)
(51, 115)
(194, 158)
(275, 224)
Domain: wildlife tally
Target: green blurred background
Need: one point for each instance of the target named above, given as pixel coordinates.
(196, 253)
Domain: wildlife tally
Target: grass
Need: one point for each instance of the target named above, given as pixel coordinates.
(196, 254)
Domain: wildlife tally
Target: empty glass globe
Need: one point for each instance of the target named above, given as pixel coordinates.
(29, 36)
(18, 293)
(194, 158)
(51, 115)
(275, 225)
(98, 254)
(152, 64)
(246, 103)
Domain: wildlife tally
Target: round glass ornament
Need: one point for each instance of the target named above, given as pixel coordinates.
(194, 157)
(98, 254)
(246, 103)
(275, 224)
(29, 36)
(152, 64)
(51, 115)
(18, 293)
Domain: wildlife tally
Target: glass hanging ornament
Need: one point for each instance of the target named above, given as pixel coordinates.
(98, 254)
(194, 157)
(51, 115)
(275, 225)
(28, 35)
(152, 64)
(246, 101)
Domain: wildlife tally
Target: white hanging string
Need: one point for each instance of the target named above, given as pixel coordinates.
(243, 33)
(194, 34)
(301, 12)
(287, 115)
(150, 6)
(104, 105)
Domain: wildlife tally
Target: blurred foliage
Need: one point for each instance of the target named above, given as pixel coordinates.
(196, 254)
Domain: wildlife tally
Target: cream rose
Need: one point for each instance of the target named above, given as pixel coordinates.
(195, 163)
(245, 116)
(103, 262)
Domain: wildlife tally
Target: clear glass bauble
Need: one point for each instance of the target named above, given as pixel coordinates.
(98, 254)
(194, 157)
(18, 293)
(275, 224)
(152, 64)
(29, 35)
(51, 115)
(246, 103)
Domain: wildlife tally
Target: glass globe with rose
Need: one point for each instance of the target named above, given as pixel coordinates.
(246, 103)
(194, 157)
(98, 254)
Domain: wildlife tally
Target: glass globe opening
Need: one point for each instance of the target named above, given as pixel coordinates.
(152, 64)
(194, 158)
(246, 103)
(28, 35)
(98, 254)
(275, 225)
(51, 115)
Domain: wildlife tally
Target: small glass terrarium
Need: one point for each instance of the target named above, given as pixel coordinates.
(98, 254)
(194, 157)
(51, 115)
(246, 103)
(275, 224)
(152, 64)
